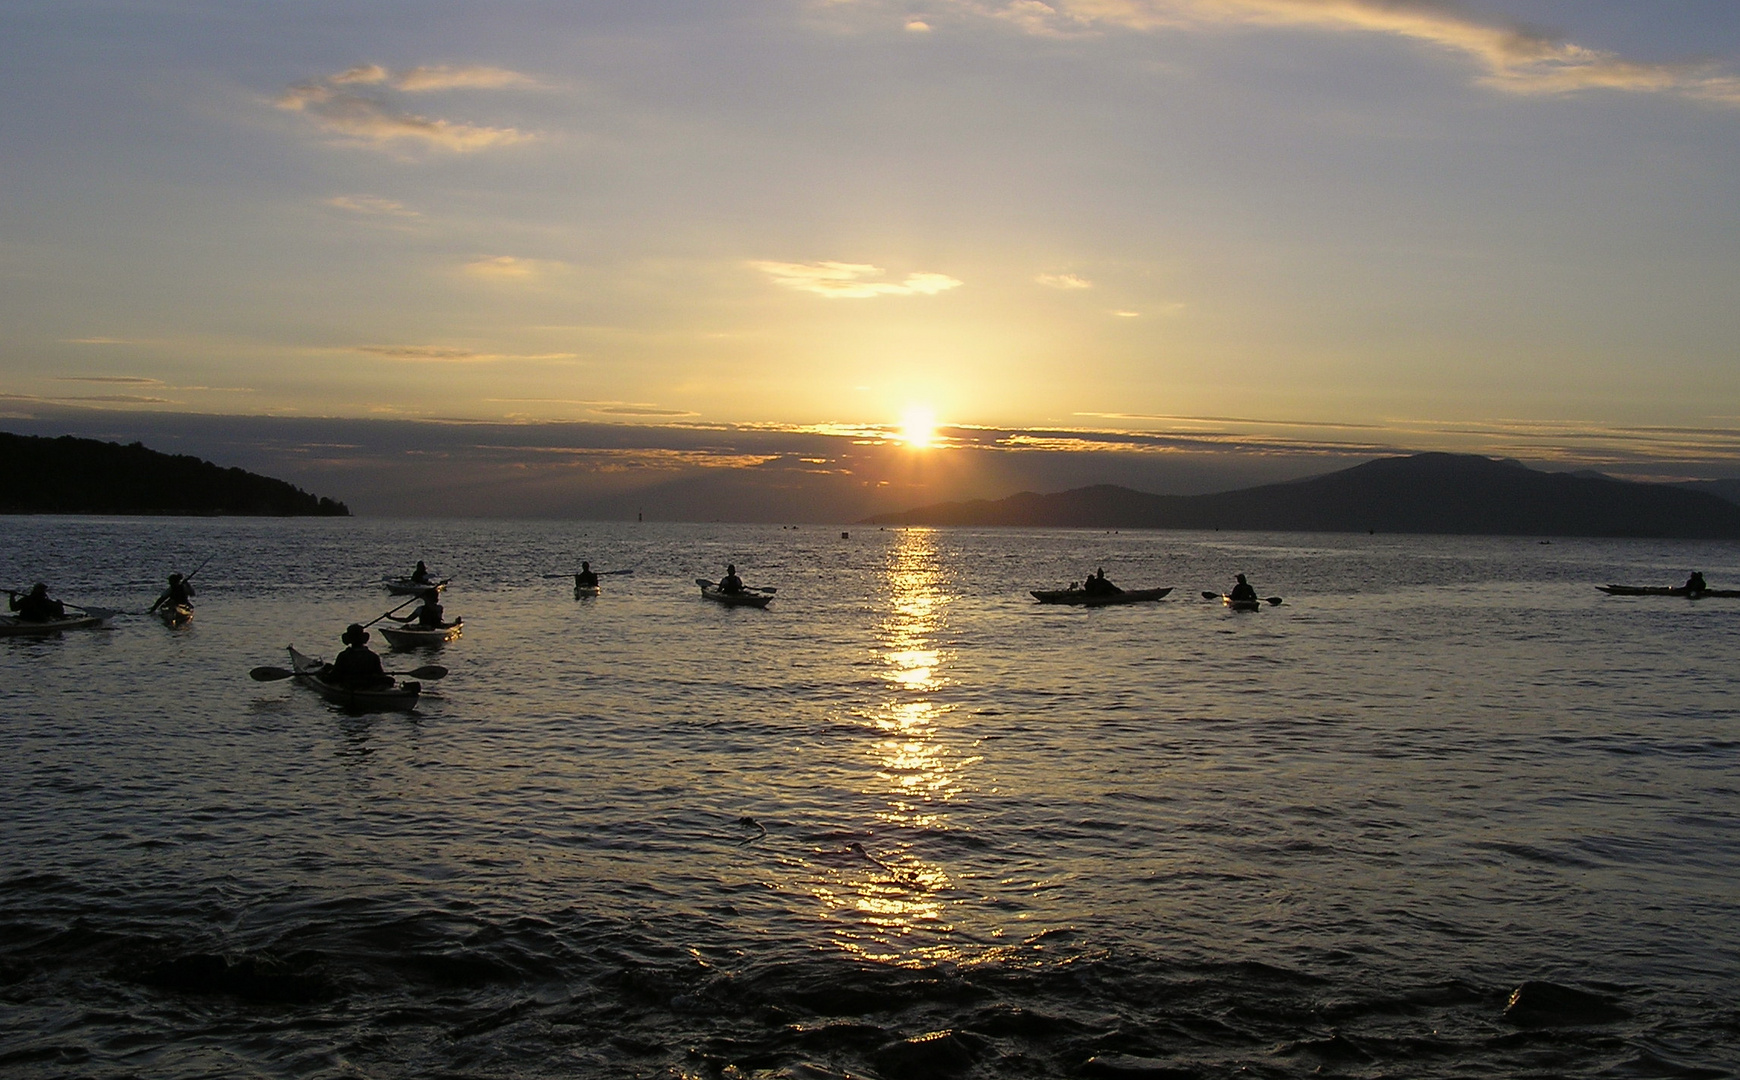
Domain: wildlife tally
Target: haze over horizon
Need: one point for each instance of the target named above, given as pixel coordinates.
(536, 258)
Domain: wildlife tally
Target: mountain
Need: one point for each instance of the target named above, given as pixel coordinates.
(1722, 489)
(85, 476)
(1423, 493)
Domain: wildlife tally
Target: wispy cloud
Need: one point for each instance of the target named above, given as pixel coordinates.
(1510, 56)
(851, 281)
(1064, 281)
(372, 206)
(512, 268)
(134, 380)
(98, 341)
(360, 105)
(602, 408)
(438, 354)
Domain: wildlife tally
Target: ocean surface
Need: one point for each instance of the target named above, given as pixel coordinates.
(903, 823)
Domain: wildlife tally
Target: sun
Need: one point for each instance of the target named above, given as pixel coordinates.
(918, 427)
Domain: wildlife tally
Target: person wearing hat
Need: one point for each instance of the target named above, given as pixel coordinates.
(179, 594)
(35, 605)
(357, 666)
(1243, 591)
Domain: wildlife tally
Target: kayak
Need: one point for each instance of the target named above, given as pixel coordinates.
(1240, 605)
(399, 698)
(174, 615)
(1668, 590)
(1083, 598)
(408, 635)
(581, 591)
(404, 586)
(742, 599)
(86, 619)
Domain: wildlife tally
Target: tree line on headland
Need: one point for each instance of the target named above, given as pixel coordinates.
(1447, 494)
(67, 475)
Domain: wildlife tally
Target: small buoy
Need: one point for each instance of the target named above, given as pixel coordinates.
(845, 536)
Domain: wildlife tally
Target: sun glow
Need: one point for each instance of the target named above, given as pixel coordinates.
(918, 427)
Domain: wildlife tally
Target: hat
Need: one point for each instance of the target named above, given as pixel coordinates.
(354, 634)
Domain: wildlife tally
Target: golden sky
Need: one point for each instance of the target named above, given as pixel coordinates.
(1387, 223)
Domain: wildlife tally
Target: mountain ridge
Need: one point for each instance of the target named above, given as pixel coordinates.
(1450, 494)
(69, 475)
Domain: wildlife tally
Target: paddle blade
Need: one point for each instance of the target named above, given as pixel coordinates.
(1211, 596)
(1273, 599)
(762, 588)
(704, 583)
(270, 674)
(431, 671)
(606, 573)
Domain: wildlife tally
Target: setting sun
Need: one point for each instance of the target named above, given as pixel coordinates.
(918, 427)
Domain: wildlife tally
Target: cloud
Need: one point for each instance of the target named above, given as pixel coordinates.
(137, 380)
(511, 268)
(850, 281)
(98, 341)
(1510, 56)
(444, 355)
(639, 410)
(368, 204)
(340, 105)
(918, 26)
(1064, 281)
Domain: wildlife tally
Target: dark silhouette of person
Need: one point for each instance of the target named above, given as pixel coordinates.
(1104, 587)
(1244, 590)
(731, 583)
(420, 575)
(585, 578)
(35, 605)
(1695, 583)
(357, 666)
(428, 613)
(179, 594)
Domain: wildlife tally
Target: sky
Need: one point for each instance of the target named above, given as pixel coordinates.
(1180, 244)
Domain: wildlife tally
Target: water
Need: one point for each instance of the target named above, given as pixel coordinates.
(644, 835)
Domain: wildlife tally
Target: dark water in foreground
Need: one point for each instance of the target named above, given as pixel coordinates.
(647, 836)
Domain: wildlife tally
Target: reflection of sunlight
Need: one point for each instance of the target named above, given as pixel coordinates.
(892, 894)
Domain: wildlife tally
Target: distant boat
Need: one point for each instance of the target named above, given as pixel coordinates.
(1083, 598)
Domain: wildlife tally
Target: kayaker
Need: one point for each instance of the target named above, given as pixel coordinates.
(1101, 586)
(1695, 583)
(357, 666)
(1244, 590)
(585, 579)
(420, 576)
(730, 583)
(428, 614)
(179, 594)
(35, 605)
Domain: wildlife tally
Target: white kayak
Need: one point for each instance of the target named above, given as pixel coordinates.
(93, 618)
(410, 634)
(738, 599)
(311, 672)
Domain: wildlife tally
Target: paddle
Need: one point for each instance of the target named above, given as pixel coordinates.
(273, 674)
(155, 604)
(1271, 600)
(406, 604)
(705, 584)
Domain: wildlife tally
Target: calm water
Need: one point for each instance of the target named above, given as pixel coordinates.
(644, 835)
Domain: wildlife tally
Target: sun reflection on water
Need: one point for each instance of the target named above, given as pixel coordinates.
(899, 897)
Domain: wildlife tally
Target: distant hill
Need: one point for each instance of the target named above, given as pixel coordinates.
(1722, 489)
(85, 476)
(1424, 493)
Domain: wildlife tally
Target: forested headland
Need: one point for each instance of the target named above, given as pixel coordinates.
(67, 475)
